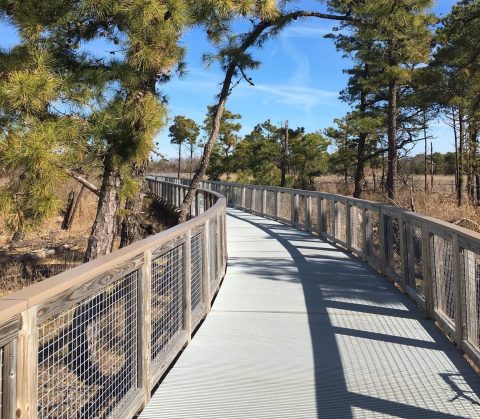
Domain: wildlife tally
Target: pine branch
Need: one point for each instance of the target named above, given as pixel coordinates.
(83, 181)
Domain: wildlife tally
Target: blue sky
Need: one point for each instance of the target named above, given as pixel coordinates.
(299, 80)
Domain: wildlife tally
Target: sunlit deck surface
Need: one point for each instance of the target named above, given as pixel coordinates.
(300, 329)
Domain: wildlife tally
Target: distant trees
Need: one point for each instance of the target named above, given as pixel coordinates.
(184, 131)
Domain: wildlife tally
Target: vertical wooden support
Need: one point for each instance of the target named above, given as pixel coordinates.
(410, 255)
(427, 270)
(277, 204)
(144, 325)
(384, 251)
(9, 380)
(253, 200)
(197, 207)
(187, 285)
(293, 209)
(365, 242)
(264, 200)
(242, 198)
(206, 266)
(334, 219)
(320, 215)
(459, 290)
(27, 358)
(308, 212)
(348, 226)
(403, 253)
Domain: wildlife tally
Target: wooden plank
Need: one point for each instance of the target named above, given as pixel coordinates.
(27, 376)
(9, 329)
(427, 270)
(459, 293)
(69, 298)
(9, 380)
(145, 326)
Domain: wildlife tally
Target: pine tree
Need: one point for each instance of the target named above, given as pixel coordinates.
(183, 130)
(397, 38)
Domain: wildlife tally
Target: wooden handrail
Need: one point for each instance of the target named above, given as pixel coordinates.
(132, 308)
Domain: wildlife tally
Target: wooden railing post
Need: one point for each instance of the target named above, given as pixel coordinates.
(320, 215)
(277, 204)
(242, 198)
(427, 270)
(348, 226)
(364, 233)
(383, 242)
(144, 321)
(308, 212)
(403, 252)
(459, 289)
(253, 200)
(187, 284)
(334, 218)
(293, 208)
(264, 200)
(218, 243)
(27, 361)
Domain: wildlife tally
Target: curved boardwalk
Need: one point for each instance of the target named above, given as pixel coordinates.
(300, 329)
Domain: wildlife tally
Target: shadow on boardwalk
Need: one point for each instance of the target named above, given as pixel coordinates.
(374, 351)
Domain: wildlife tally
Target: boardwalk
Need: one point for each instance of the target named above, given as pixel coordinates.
(300, 329)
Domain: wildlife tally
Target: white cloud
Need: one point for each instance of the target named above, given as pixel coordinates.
(306, 31)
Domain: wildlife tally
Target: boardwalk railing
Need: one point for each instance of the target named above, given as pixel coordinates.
(436, 263)
(94, 341)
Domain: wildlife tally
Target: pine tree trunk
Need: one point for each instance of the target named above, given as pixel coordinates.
(75, 207)
(131, 230)
(284, 158)
(103, 230)
(68, 210)
(460, 158)
(357, 193)
(179, 159)
(392, 139)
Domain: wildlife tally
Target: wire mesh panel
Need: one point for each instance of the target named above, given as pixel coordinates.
(340, 221)
(328, 217)
(314, 212)
(87, 361)
(197, 276)
(443, 282)
(356, 231)
(248, 198)
(213, 256)
(393, 226)
(373, 235)
(285, 207)
(257, 200)
(415, 261)
(270, 203)
(301, 214)
(471, 273)
(167, 301)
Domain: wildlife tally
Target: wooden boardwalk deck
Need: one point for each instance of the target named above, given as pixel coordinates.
(300, 329)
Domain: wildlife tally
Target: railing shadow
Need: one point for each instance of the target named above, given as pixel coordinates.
(336, 284)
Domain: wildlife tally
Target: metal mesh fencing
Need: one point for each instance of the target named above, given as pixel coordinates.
(167, 301)
(328, 216)
(314, 222)
(443, 282)
(285, 207)
(471, 273)
(340, 221)
(301, 214)
(257, 200)
(270, 203)
(248, 198)
(415, 259)
(197, 273)
(213, 256)
(393, 226)
(373, 235)
(356, 231)
(87, 360)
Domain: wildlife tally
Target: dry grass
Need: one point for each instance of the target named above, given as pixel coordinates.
(439, 203)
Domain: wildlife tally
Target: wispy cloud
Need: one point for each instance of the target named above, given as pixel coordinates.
(301, 96)
(301, 74)
(306, 31)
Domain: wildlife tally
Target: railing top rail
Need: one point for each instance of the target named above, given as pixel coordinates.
(434, 223)
(17, 302)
